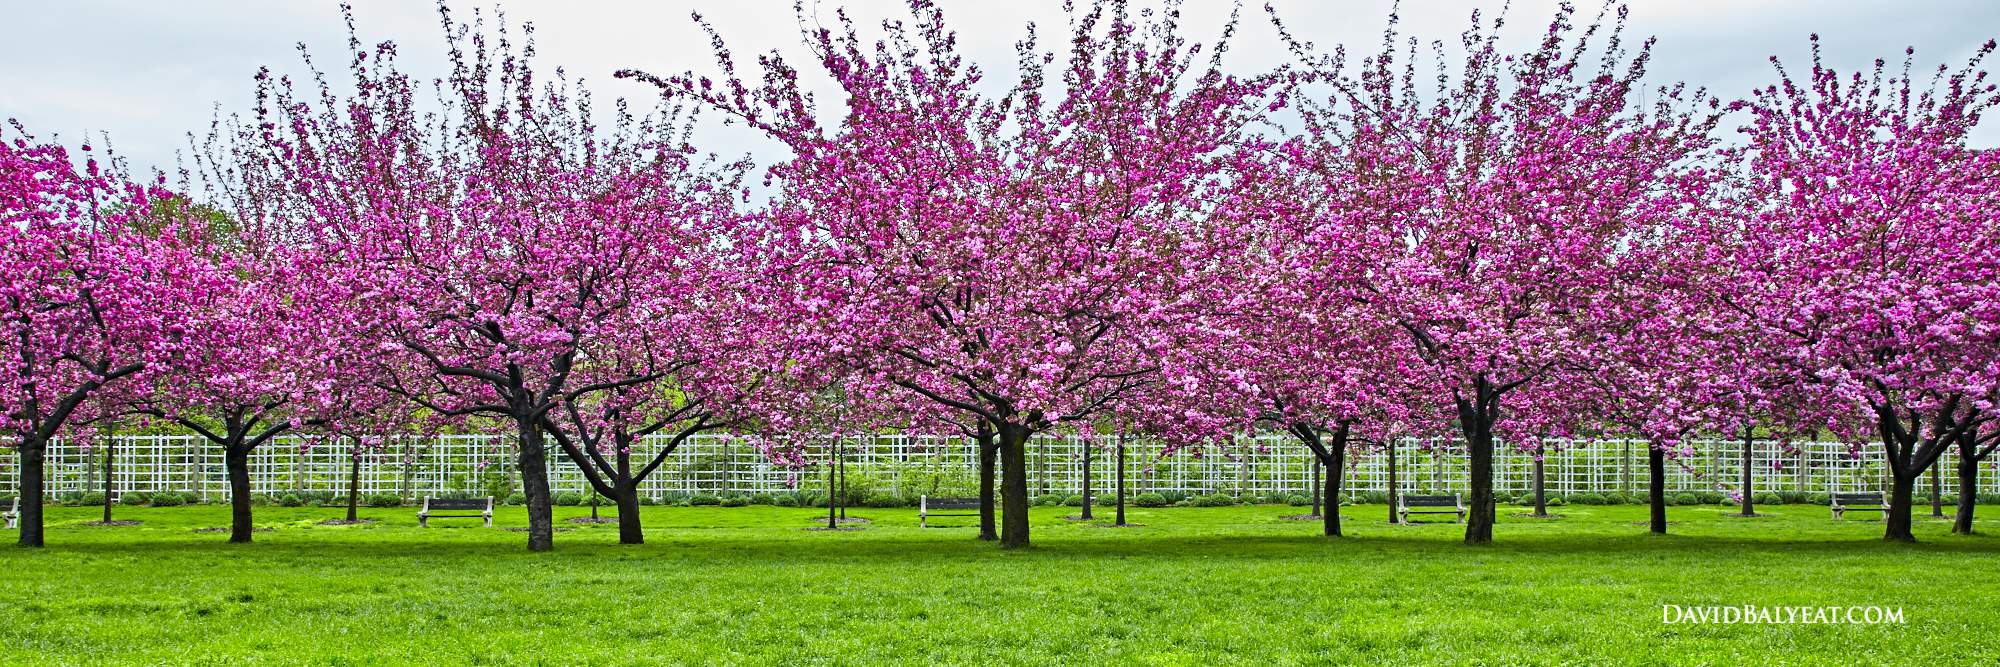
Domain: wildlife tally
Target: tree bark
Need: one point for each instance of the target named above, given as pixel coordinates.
(1121, 480)
(1749, 460)
(1475, 422)
(629, 531)
(236, 457)
(108, 453)
(33, 455)
(1656, 478)
(1013, 485)
(1911, 450)
(534, 462)
(1390, 447)
(1896, 520)
(1541, 497)
(1316, 489)
(988, 450)
(1968, 483)
(1937, 489)
(1335, 464)
(353, 487)
(1334, 457)
(1087, 447)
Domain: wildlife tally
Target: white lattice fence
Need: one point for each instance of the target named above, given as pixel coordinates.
(904, 465)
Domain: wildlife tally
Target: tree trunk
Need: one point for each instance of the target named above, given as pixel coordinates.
(988, 449)
(1013, 485)
(629, 531)
(1121, 480)
(534, 461)
(1656, 477)
(1330, 518)
(1541, 496)
(832, 495)
(1390, 446)
(33, 453)
(1087, 447)
(1479, 444)
(236, 458)
(1968, 485)
(840, 465)
(1937, 489)
(1317, 464)
(1896, 520)
(353, 488)
(108, 453)
(1749, 460)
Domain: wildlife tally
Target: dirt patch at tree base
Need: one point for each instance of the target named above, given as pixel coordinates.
(344, 522)
(1531, 515)
(109, 524)
(598, 519)
(836, 529)
(1300, 517)
(225, 529)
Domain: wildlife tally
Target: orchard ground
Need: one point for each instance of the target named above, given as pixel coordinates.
(1192, 586)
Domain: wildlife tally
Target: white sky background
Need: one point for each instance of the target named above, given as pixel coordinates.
(149, 72)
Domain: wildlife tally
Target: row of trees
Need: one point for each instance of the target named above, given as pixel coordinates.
(1508, 247)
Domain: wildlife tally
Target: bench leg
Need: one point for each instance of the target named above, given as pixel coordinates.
(1461, 516)
(489, 521)
(423, 521)
(1836, 514)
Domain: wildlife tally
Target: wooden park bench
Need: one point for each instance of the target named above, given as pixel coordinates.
(466, 508)
(926, 503)
(1443, 504)
(1843, 503)
(13, 514)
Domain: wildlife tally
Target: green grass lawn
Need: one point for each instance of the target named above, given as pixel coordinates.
(1192, 586)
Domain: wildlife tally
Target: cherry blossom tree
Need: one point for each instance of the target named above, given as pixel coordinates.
(260, 356)
(1021, 260)
(705, 370)
(488, 249)
(1296, 349)
(1505, 199)
(1865, 246)
(91, 308)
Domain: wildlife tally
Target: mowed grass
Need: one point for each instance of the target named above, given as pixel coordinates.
(1192, 586)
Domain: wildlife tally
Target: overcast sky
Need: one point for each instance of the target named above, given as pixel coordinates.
(149, 72)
